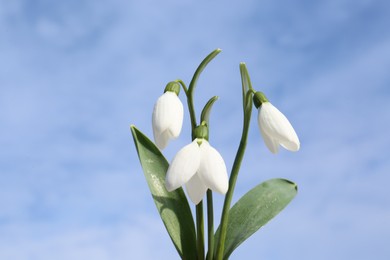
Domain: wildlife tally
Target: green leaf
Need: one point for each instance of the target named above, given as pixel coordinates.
(172, 206)
(255, 209)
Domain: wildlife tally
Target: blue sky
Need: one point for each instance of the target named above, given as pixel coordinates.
(75, 74)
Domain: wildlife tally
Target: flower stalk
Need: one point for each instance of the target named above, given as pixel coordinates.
(248, 93)
(200, 230)
(210, 225)
(190, 102)
(193, 83)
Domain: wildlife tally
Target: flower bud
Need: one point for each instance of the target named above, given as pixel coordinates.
(274, 126)
(167, 118)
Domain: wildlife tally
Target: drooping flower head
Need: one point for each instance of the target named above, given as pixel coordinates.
(167, 119)
(199, 167)
(274, 126)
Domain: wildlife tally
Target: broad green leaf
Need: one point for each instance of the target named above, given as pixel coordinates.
(172, 206)
(255, 209)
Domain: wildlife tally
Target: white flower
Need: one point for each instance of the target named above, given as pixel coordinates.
(167, 118)
(200, 167)
(276, 129)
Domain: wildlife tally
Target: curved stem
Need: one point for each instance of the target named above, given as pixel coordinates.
(191, 110)
(183, 85)
(237, 161)
(201, 67)
(193, 82)
(190, 102)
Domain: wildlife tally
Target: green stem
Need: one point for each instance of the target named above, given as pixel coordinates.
(237, 163)
(201, 67)
(183, 85)
(193, 82)
(210, 225)
(190, 102)
(191, 110)
(200, 230)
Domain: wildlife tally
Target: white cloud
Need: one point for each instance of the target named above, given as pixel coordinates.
(121, 240)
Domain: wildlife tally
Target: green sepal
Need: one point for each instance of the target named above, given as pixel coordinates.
(259, 98)
(173, 86)
(173, 206)
(255, 209)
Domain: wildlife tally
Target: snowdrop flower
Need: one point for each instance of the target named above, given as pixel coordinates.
(200, 167)
(274, 126)
(167, 118)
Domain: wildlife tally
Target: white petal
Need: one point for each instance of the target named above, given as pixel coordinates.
(161, 117)
(162, 139)
(277, 127)
(167, 118)
(291, 145)
(177, 115)
(196, 189)
(271, 144)
(184, 165)
(212, 169)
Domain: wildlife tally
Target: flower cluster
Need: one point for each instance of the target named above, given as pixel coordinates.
(201, 169)
(198, 165)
